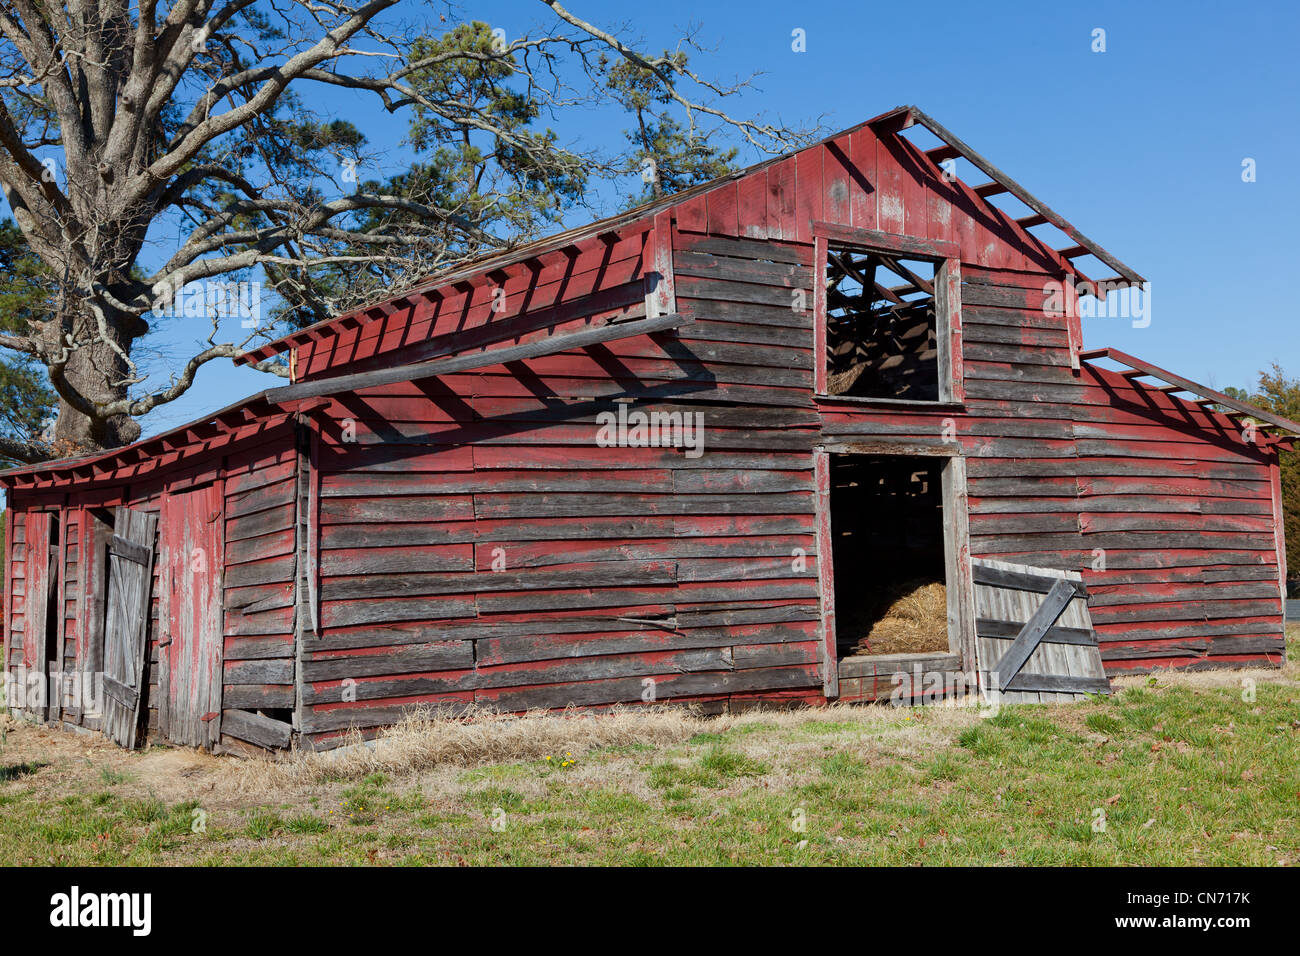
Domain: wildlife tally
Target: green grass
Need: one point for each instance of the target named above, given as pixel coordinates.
(1163, 773)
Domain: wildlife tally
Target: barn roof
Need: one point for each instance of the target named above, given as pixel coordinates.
(892, 123)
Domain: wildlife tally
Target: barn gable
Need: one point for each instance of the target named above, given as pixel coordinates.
(870, 177)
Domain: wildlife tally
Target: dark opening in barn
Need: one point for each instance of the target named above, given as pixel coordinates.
(881, 326)
(888, 529)
(52, 615)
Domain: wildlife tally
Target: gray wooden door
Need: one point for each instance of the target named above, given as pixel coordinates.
(126, 626)
(1034, 637)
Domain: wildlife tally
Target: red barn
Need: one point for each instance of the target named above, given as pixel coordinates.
(691, 453)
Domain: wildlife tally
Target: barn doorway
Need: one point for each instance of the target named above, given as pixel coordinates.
(190, 656)
(899, 591)
(888, 549)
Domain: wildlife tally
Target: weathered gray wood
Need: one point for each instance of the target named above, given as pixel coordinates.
(891, 446)
(1008, 630)
(1056, 683)
(257, 697)
(265, 671)
(886, 665)
(1068, 649)
(1041, 583)
(1057, 598)
(122, 548)
(402, 659)
(256, 729)
(125, 630)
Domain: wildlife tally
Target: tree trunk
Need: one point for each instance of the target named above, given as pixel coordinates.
(98, 373)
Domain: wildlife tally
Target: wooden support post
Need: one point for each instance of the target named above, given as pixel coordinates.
(826, 575)
(661, 294)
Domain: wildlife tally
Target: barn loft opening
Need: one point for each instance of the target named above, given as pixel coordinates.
(888, 555)
(881, 325)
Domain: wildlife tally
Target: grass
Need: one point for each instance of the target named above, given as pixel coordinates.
(1182, 769)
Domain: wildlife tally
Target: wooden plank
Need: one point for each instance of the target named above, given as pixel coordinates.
(257, 729)
(821, 360)
(1056, 683)
(1023, 195)
(123, 548)
(896, 243)
(781, 200)
(558, 343)
(1041, 583)
(1196, 388)
(862, 176)
(825, 575)
(661, 296)
(751, 212)
(56, 677)
(1057, 634)
(957, 563)
(808, 191)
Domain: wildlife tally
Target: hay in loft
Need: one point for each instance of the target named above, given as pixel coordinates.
(911, 618)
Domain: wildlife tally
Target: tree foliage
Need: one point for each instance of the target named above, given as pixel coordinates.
(1277, 393)
(27, 403)
(669, 156)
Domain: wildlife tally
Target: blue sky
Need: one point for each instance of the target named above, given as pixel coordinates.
(1141, 147)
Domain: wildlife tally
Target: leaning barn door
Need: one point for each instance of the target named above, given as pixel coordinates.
(189, 680)
(126, 627)
(1034, 638)
(37, 587)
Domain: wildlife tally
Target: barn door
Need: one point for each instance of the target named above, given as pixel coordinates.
(126, 625)
(189, 659)
(39, 586)
(1034, 638)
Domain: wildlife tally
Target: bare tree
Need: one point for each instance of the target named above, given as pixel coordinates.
(146, 148)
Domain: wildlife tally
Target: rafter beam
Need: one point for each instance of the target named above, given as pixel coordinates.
(1010, 185)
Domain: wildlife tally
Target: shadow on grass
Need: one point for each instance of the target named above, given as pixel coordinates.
(15, 770)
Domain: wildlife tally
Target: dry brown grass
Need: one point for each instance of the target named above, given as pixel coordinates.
(429, 738)
(914, 621)
(432, 740)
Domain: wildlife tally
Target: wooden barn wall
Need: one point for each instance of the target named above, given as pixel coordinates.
(258, 577)
(259, 584)
(533, 568)
(15, 584)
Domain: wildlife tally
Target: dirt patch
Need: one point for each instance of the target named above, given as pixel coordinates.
(909, 619)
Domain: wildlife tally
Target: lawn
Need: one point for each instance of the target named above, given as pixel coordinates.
(1173, 769)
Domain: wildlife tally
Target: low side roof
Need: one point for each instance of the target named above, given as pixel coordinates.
(274, 407)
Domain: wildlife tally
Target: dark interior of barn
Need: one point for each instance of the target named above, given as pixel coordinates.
(880, 326)
(888, 554)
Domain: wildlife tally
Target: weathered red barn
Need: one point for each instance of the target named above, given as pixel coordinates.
(683, 454)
